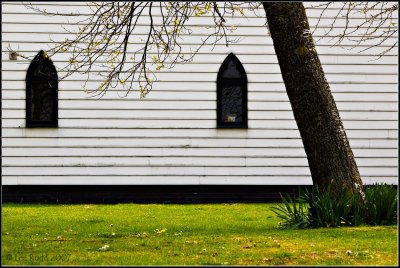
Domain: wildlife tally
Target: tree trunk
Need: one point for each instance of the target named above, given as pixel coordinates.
(329, 155)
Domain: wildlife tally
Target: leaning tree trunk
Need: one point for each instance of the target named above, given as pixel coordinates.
(329, 155)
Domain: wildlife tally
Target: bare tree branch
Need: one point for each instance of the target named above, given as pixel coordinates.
(107, 45)
(103, 48)
(379, 24)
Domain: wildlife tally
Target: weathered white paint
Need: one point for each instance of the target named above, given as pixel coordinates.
(170, 137)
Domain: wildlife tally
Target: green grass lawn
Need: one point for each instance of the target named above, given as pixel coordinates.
(209, 234)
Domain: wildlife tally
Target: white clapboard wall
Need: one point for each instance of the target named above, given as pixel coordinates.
(170, 137)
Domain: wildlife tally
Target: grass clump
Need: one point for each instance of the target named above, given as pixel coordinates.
(317, 208)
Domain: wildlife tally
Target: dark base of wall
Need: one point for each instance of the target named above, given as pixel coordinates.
(111, 194)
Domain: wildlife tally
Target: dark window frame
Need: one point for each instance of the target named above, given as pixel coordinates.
(222, 82)
(40, 58)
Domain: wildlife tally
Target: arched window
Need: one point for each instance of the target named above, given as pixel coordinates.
(41, 92)
(231, 94)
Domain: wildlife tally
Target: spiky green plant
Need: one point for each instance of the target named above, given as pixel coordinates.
(293, 212)
(328, 210)
(318, 208)
(381, 204)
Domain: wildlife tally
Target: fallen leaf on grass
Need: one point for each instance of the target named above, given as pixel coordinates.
(264, 260)
(104, 248)
(163, 230)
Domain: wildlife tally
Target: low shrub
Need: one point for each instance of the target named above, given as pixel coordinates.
(317, 208)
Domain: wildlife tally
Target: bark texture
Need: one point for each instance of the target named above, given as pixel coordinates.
(329, 155)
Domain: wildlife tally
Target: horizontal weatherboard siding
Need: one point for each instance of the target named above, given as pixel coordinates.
(170, 136)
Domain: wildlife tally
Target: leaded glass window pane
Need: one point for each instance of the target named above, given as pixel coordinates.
(231, 71)
(232, 94)
(41, 93)
(231, 104)
(42, 101)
